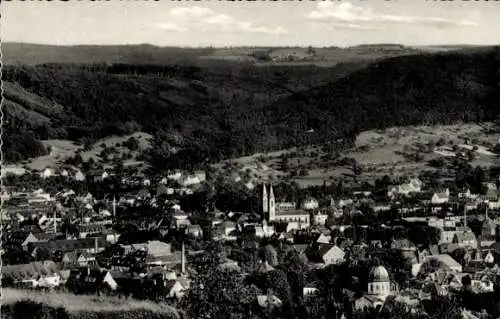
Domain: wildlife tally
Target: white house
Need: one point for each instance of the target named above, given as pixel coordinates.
(174, 176)
(190, 180)
(413, 186)
(310, 204)
(320, 218)
(79, 177)
(48, 172)
(441, 197)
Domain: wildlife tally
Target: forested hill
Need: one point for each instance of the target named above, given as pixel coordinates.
(227, 109)
(410, 90)
(91, 101)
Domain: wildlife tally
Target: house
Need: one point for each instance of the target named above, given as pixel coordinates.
(465, 239)
(345, 202)
(284, 206)
(89, 245)
(325, 254)
(310, 204)
(447, 261)
(189, 180)
(467, 195)
(85, 230)
(265, 230)
(78, 259)
(408, 249)
(194, 230)
(488, 232)
(323, 239)
(91, 280)
(269, 301)
(174, 176)
(34, 237)
(413, 186)
(320, 218)
(309, 291)
(174, 289)
(297, 216)
(440, 197)
(79, 177)
(158, 252)
(48, 172)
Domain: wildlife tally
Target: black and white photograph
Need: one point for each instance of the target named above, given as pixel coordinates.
(250, 159)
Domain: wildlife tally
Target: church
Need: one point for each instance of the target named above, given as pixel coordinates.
(273, 211)
(379, 288)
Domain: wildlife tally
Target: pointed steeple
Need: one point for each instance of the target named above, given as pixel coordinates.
(272, 204)
(265, 204)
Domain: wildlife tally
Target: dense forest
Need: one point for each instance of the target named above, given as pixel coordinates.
(201, 114)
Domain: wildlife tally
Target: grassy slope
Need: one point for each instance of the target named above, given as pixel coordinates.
(85, 304)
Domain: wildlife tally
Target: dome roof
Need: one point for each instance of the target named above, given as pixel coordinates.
(378, 274)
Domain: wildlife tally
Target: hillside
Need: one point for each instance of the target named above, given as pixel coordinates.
(229, 109)
(79, 306)
(88, 102)
(420, 89)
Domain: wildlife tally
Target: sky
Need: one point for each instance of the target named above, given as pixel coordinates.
(256, 23)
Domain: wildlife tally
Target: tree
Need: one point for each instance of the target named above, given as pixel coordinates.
(219, 293)
(42, 254)
(270, 255)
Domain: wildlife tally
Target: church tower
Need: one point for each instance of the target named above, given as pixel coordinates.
(265, 203)
(272, 205)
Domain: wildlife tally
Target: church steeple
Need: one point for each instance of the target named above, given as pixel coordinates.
(265, 204)
(272, 205)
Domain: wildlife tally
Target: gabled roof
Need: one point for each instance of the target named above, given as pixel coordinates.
(465, 236)
(403, 244)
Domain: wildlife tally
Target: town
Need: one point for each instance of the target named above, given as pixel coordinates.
(196, 241)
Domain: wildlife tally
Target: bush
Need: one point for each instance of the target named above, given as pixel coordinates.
(132, 144)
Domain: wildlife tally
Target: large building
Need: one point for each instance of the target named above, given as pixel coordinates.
(271, 211)
(379, 288)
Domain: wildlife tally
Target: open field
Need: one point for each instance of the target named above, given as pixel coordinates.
(85, 303)
(63, 149)
(383, 152)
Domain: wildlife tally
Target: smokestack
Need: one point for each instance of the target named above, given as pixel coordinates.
(96, 244)
(114, 207)
(55, 223)
(183, 259)
(269, 299)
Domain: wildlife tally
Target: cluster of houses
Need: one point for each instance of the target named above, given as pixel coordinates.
(36, 223)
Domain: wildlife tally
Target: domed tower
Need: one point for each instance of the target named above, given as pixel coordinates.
(379, 283)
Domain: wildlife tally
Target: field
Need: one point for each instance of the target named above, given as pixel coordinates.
(63, 149)
(386, 152)
(85, 304)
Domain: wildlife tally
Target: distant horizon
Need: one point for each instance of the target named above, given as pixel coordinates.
(253, 46)
(223, 24)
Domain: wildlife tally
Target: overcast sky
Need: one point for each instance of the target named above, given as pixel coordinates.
(259, 23)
